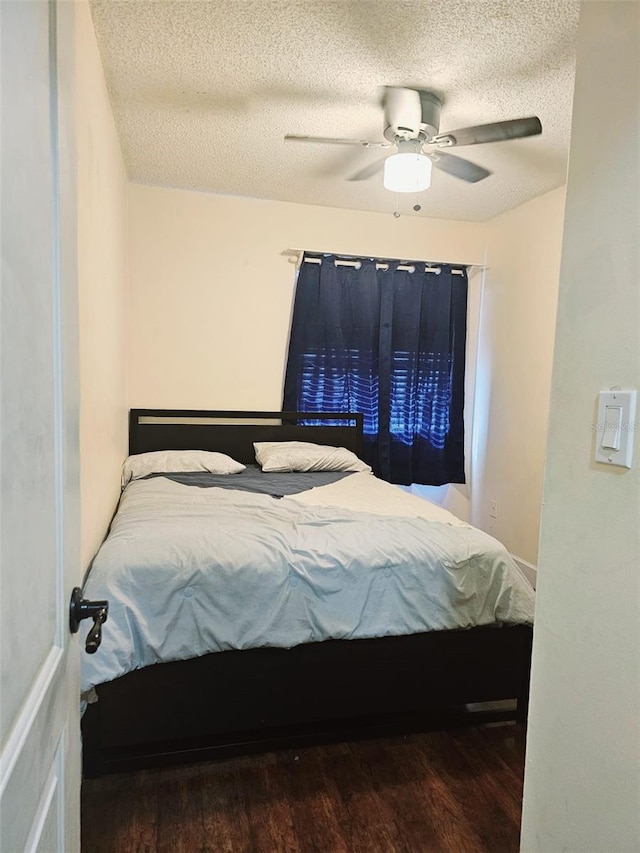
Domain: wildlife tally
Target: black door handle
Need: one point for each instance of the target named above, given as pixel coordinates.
(80, 608)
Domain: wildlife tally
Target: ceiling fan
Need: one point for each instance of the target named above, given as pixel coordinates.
(412, 127)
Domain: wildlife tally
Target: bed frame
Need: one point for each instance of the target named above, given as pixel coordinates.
(232, 702)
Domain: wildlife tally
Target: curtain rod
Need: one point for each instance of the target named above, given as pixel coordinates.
(298, 254)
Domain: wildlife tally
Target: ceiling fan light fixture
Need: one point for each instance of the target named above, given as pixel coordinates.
(407, 172)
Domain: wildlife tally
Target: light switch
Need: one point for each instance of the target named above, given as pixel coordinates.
(612, 427)
(616, 427)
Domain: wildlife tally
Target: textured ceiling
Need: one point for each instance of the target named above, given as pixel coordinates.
(204, 92)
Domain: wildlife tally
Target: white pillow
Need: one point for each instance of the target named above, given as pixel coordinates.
(273, 456)
(176, 461)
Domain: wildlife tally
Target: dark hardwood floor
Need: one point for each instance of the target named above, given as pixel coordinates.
(439, 791)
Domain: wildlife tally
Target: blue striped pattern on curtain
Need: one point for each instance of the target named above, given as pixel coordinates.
(421, 397)
(339, 381)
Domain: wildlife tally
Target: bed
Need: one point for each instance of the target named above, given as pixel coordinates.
(314, 627)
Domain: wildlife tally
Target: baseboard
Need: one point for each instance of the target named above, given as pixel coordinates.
(530, 571)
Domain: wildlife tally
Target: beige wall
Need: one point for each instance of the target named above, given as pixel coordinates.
(582, 781)
(102, 280)
(513, 382)
(212, 292)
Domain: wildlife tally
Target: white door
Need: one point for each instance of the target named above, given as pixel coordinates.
(39, 725)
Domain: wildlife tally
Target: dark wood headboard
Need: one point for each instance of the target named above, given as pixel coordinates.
(233, 433)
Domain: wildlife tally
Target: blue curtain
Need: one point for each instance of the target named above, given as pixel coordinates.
(389, 343)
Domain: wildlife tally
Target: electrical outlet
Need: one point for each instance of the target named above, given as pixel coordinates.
(493, 509)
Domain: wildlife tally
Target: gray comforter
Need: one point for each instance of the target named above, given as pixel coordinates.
(193, 570)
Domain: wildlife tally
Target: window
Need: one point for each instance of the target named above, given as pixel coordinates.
(390, 343)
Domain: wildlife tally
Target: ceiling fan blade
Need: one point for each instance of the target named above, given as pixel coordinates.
(330, 140)
(498, 131)
(369, 171)
(458, 167)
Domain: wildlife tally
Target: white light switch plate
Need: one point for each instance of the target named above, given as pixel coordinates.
(615, 427)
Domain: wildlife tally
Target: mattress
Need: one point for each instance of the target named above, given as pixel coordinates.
(190, 570)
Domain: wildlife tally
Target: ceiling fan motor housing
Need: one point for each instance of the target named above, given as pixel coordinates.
(410, 114)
